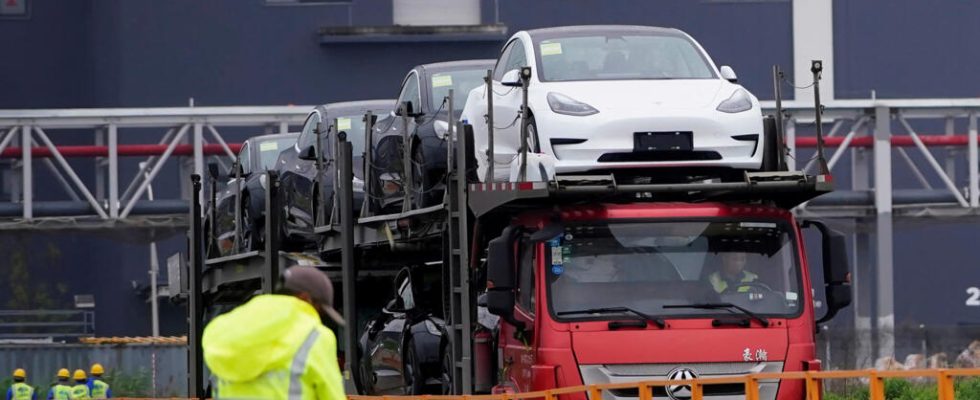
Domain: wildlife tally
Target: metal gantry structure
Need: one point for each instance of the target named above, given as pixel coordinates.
(935, 141)
(103, 197)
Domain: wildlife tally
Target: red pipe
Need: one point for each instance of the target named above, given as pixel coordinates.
(897, 141)
(125, 150)
(144, 150)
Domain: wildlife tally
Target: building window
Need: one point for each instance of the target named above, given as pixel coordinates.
(436, 12)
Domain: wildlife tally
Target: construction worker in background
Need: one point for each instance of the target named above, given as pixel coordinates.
(80, 389)
(20, 390)
(275, 346)
(96, 386)
(61, 390)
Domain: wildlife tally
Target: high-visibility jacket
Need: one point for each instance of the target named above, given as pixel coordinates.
(80, 391)
(99, 389)
(20, 391)
(273, 347)
(60, 392)
(721, 284)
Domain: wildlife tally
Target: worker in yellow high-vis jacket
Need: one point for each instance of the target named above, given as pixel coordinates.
(80, 390)
(275, 346)
(20, 389)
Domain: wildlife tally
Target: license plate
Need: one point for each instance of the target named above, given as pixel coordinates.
(663, 141)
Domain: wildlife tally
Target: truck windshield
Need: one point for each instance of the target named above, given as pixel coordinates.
(646, 266)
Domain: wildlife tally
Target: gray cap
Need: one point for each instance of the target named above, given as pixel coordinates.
(315, 283)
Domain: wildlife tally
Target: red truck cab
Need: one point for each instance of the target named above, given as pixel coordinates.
(591, 294)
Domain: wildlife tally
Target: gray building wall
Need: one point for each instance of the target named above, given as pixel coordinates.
(132, 53)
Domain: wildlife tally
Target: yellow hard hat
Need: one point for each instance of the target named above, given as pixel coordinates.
(97, 369)
(20, 373)
(63, 373)
(79, 375)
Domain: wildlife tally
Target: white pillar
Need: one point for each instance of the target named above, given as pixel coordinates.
(813, 39)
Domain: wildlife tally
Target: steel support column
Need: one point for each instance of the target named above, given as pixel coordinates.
(27, 172)
(862, 280)
(884, 257)
(113, 139)
(972, 163)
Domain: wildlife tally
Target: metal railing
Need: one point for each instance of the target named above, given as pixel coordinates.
(30, 324)
(813, 381)
(863, 127)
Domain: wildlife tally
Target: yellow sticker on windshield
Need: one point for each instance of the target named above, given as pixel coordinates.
(550, 49)
(442, 80)
(269, 146)
(343, 124)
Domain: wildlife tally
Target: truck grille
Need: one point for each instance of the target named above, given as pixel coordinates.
(618, 373)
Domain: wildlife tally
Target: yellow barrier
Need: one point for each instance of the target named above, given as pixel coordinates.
(813, 382)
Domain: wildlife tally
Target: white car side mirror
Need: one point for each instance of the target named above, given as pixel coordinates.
(728, 74)
(511, 78)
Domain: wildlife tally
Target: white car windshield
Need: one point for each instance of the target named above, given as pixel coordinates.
(646, 266)
(620, 57)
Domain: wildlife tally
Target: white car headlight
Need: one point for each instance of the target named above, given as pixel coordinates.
(442, 128)
(736, 103)
(562, 104)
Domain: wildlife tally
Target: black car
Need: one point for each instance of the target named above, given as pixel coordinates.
(307, 196)
(405, 349)
(426, 114)
(257, 155)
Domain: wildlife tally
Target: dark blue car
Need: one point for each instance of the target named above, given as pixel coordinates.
(427, 117)
(306, 195)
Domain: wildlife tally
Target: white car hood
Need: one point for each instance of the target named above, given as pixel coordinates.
(633, 94)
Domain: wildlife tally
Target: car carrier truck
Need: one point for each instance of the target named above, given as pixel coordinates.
(575, 280)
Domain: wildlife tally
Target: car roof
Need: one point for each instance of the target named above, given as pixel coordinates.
(455, 65)
(360, 106)
(562, 30)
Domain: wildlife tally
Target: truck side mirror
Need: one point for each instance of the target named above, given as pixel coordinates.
(836, 269)
(501, 258)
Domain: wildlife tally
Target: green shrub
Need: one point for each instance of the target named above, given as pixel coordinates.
(135, 384)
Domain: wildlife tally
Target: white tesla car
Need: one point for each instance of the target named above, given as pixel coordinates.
(612, 97)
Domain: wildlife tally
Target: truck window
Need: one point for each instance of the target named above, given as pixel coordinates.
(525, 276)
(646, 265)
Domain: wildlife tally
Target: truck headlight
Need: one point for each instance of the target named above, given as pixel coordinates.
(562, 104)
(739, 101)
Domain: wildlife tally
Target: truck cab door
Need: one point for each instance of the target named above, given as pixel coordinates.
(518, 345)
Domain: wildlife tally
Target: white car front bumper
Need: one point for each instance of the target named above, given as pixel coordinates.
(609, 139)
